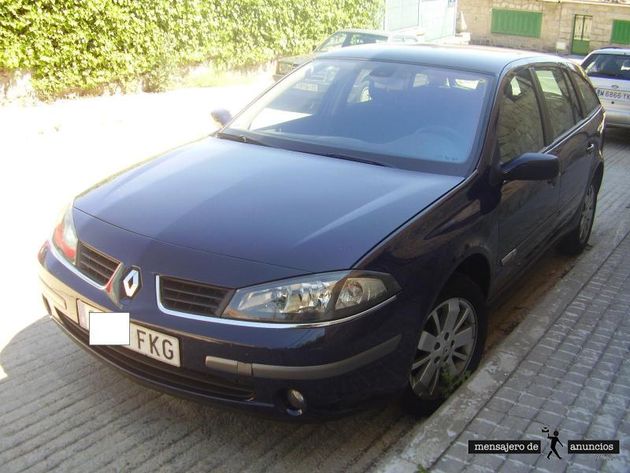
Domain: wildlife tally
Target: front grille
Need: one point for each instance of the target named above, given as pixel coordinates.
(96, 265)
(191, 297)
(155, 372)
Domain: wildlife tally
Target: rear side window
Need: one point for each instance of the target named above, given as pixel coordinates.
(575, 103)
(588, 95)
(561, 104)
(519, 129)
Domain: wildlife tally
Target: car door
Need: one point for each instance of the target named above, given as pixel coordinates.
(568, 137)
(526, 209)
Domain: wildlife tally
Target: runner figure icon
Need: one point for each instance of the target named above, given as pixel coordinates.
(554, 441)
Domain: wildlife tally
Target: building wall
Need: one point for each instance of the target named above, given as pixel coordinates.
(433, 19)
(557, 22)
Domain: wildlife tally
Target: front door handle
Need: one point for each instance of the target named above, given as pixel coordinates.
(590, 148)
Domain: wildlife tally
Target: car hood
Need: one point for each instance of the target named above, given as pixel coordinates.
(263, 204)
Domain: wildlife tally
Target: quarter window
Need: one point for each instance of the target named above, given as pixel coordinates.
(519, 128)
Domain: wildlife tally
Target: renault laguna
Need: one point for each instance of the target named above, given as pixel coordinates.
(338, 241)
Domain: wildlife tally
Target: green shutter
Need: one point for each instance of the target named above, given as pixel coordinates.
(620, 32)
(516, 22)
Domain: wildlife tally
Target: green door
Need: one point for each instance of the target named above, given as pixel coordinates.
(581, 34)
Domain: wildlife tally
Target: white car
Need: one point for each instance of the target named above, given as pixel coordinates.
(609, 70)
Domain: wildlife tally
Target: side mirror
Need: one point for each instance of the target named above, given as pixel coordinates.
(531, 167)
(221, 116)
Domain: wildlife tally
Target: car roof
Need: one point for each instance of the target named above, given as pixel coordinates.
(612, 50)
(475, 58)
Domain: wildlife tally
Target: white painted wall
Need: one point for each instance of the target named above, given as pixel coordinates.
(434, 18)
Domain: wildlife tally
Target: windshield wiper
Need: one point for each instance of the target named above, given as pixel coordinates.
(240, 138)
(352, 158)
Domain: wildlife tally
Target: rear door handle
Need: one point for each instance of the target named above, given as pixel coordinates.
(590, 148)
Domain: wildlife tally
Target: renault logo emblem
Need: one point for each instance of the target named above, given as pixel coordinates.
(131, 282)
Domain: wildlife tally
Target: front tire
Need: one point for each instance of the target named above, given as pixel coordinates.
(449, 347)
(577, 239)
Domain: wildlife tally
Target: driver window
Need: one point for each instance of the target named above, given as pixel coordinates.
(519, 129)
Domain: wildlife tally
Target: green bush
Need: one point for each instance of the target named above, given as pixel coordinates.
(85, 46)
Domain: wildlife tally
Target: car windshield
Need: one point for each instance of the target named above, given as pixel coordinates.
(402, 115)
(608, 65)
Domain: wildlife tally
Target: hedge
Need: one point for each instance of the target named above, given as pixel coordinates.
(83, 46)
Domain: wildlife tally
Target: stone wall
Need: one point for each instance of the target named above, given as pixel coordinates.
(557, 22)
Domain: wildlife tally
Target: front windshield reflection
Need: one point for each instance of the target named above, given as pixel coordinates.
(404, 111)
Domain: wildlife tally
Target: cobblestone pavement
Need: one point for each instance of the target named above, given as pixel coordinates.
(60, 410)
(566, 368)
(575, 380)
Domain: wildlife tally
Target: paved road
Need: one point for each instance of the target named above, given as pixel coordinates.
(61, 410)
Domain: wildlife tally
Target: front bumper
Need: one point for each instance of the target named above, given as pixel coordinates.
(337, 368)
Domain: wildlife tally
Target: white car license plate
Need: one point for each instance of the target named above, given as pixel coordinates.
(614, 94)
(154, 344)
(148, 342)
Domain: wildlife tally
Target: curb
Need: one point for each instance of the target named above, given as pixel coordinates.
(425, 444)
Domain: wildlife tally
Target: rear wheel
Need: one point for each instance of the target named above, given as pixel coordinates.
(575, 241)
(449, 347)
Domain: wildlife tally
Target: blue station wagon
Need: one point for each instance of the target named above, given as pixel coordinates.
(339, 240)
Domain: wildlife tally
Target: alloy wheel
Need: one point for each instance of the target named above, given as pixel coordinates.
(588, 213)
(446, 346)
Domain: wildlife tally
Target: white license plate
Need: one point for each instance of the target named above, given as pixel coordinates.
(154, 344)
(614, 94)
(83, 311)
(148, 342)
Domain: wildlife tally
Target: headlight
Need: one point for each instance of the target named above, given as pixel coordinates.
(284, 67)
(313, 298)
(65, 236)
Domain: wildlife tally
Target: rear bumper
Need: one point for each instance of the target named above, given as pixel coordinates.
(217, 371)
